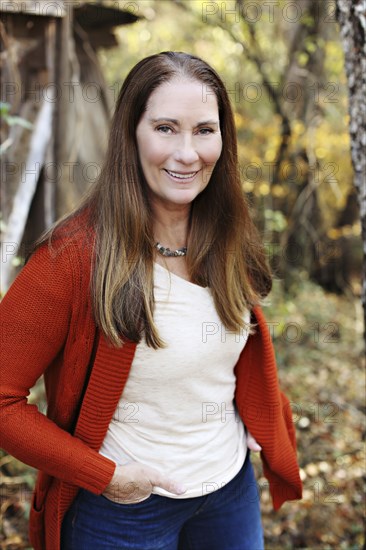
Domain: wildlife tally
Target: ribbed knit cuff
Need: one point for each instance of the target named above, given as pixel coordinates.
(96, 472)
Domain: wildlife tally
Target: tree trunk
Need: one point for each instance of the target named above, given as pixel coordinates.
(352, 22)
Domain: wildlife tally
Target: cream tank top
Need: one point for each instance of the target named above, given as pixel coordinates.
(176, 412)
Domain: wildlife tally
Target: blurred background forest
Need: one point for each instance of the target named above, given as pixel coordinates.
(284, 67)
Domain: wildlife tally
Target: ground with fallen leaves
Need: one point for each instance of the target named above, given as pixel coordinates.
(318, 339)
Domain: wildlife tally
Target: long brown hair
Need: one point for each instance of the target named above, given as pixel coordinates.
(225, 252)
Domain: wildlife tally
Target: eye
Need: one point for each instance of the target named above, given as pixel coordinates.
(164, 129)
(205, 131)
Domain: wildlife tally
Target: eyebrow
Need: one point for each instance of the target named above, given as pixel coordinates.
(175, 121)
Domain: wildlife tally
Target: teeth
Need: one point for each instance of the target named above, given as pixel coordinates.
(182, 176)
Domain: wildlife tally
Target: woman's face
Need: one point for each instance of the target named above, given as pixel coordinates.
(179, 142)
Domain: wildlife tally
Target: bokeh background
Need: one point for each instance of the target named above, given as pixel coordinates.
(283, 63)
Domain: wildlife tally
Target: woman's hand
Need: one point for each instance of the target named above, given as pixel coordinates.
(252, 443)
(134, 482)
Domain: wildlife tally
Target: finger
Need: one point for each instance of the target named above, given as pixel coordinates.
(252, 443)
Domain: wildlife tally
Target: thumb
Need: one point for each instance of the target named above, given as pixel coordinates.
(252, 443)
(168, 484)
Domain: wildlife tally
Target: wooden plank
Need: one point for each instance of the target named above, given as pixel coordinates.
(50, 179)
(67, 69)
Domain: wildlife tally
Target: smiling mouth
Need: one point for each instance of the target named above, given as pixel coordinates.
(186, 176)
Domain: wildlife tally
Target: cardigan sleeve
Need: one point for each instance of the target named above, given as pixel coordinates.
(287, 414)
(34, 321)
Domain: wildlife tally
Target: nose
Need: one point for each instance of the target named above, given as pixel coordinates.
(186, 152)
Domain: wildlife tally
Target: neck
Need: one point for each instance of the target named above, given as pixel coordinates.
(171, 227)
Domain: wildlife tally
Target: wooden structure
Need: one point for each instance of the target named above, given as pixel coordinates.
(51, 77)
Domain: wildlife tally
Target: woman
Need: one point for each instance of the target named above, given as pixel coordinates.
(142, 311)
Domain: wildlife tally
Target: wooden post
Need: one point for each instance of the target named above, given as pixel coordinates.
(63, 78)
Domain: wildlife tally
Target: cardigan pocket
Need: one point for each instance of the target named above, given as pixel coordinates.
(36, 523)
(37, 512)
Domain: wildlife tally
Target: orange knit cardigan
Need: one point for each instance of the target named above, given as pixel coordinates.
(48, 328)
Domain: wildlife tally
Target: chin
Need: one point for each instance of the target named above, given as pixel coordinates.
(184, 199)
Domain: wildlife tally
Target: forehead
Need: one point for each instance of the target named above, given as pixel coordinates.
(181, 98)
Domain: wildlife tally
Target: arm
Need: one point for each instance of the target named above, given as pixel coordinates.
(35, 322)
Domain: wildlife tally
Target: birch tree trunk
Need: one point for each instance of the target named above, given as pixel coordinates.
(352, 22)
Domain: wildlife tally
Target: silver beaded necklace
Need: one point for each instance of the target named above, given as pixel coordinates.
(165, 251)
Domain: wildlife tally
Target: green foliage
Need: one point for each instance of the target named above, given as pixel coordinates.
(11, 121)
(275, 220)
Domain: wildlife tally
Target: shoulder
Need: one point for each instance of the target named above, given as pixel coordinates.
(69, 241)
(76, 232)
(62, 259)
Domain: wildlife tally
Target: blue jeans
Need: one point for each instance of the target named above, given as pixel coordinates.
(226, 519)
